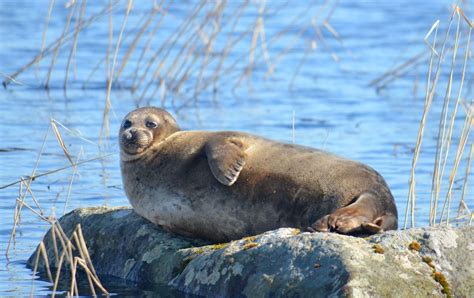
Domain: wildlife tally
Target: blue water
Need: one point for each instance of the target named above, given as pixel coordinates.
(329, 102)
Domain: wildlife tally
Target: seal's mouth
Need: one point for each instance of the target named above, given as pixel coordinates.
(134, 141)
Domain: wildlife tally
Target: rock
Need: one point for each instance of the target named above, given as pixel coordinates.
(432, 261)
(123, 244)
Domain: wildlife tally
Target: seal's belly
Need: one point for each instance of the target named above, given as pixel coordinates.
(207, 214)
(223, 213)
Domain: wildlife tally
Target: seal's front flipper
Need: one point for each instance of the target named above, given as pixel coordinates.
(226, 158)
(359, 217)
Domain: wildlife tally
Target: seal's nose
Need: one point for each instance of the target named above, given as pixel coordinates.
(130, 135)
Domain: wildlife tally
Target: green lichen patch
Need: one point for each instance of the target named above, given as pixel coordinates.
(441, 279)
(414, 246)
(296, 232)
(438, 276)
(217, 246)
(249, 245)
(428, 261)
(250, 238)
(208, 248)
(198, 250)
(378, 248)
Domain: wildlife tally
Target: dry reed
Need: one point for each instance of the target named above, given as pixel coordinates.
(76, 241)
(199, 57)
(449, 134)
(108, 103)
(73, 253)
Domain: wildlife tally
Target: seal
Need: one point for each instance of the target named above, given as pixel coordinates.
(227, 185)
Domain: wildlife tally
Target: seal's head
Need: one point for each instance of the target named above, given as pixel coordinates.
(144, 127)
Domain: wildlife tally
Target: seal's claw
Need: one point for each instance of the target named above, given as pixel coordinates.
(350, 224)
(372, 228)
(321, 225)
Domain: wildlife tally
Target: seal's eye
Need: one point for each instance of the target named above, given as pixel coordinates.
(127, 124)
(151, 124)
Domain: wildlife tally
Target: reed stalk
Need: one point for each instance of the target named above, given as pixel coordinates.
(448, 136)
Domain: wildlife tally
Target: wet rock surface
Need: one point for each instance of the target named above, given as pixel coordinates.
(285, 262)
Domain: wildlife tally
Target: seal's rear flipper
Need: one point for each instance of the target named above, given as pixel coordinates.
(226, 158)
(362, 216)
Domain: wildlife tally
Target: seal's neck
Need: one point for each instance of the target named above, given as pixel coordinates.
(167, 131)
(125, 157)
(167, 127)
